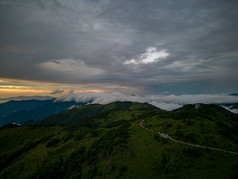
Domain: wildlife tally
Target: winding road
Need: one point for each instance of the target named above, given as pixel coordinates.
(166, 136)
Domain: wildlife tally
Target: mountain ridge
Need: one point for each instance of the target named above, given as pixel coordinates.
(108, 142)
(94, 109)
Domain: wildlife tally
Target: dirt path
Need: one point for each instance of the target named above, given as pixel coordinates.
(166, 136)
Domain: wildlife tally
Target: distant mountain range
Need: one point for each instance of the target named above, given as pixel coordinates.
(233, 94)
(23, 98)
(25, 112)
(28, 111)
(109, 141)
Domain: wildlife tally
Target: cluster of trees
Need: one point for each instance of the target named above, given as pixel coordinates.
(60, 167)
(107, 142)
(7, 158)
(171, 160)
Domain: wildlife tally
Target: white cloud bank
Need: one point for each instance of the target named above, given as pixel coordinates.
(231, 109)
(167, 102)
(150, 56)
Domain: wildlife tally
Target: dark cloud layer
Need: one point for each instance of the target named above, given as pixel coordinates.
(110, 42)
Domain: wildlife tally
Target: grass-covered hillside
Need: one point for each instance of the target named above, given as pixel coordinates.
(105, 141)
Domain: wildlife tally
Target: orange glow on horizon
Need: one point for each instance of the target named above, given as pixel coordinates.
(13, 91)
(17, 87)
(90, 91)
(40, 92)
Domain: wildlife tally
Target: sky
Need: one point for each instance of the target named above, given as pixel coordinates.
(129, 47)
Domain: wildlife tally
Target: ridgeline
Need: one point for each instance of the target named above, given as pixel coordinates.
(106, 141)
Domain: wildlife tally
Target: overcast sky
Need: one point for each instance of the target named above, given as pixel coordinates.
(127, 46)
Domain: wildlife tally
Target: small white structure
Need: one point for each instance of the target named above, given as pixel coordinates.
(197, 106)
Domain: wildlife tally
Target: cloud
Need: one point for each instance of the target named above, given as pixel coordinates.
(184, 66)
(119, 43)
(167, 102)
(150, 56)
(15, 49)
(230, 108)
(57, 91)
(71, 68)
(71, 92)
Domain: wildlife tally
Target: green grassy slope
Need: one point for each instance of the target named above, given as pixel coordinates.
(90, 112)
(105, 141)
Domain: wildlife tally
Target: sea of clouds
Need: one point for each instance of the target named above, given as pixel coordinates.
(167, 102)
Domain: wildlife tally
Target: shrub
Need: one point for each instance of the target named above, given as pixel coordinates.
(52, 143)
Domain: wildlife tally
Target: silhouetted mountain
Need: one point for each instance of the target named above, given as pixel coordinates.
(233, 94)
(22, 111)
(210, 111)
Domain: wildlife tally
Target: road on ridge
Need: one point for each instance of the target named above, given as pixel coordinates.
(166, 136)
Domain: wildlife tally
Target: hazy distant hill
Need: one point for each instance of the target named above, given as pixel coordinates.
(15, 106)
(233, 94)
(23, 111)
(106, 141)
